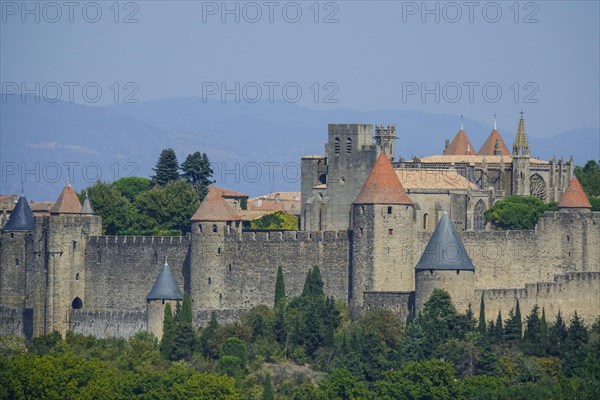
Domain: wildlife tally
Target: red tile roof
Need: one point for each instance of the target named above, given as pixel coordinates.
(382, 186)
(574, 196)
(460, 145)
(488, 147)
(228, 193)
(215, 208)
(67, 203)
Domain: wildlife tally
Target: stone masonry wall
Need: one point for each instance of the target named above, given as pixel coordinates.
(120, 270)
(103, 324)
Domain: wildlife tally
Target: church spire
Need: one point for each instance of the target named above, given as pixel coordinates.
(521, 145)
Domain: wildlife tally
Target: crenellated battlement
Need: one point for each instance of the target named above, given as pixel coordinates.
(292, 236)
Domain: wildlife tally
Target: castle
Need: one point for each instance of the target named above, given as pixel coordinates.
(384, 233)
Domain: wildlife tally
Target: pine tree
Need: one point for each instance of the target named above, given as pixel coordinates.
(532, 340)
(168, 339)
(167, 168)
(197, 171)
(482, 326)
(557, 336)
(575, 346)
(279, 286)
(184, 331)
(268, 389)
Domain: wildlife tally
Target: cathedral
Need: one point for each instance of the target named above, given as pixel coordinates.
(384, 232)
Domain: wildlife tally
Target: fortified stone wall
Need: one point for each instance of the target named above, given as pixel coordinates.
(249, 265)
(11, 321)
(103, 324)
(400, 303)
(575, 291)
(120, 270)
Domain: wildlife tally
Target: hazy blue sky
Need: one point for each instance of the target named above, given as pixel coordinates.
(376, 55)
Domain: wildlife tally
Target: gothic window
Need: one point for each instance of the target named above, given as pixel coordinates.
(478, 219)
(348, 145)
(425, 221)
(336, 146)
(77, 303)
(537, 187)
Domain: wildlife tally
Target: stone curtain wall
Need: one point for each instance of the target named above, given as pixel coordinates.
(104, 324)
(120, 270)
(11, 321)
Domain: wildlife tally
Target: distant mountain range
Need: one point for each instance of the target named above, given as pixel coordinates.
(246, 141)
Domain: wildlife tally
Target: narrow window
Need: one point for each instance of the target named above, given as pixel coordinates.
(77, 276)
(228, 227)
(219, 250)
(199, 228)
(568, 238)
(214, 229)
(209, 281)
(389, 210)
(425, 220)
(349, 146)
(77, 303)
(17, 262)
(390, 231)
(74, 244)
(336, 146)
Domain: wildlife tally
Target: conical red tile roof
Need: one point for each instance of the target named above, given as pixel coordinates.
(488, 147)
(382, 185)
(460, 145)
(67, 203)
(574, 196)
(215, 208)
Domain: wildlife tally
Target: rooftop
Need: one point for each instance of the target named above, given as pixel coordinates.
(382, 185)
(574, 196)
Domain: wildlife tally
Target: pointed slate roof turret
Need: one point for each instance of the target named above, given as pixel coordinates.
(445, 250)
(165, 287)
(382, 185)
(21, 217)
(215, 208)
(460, 145)
(87, 206)
(67, 203)
(574, 196)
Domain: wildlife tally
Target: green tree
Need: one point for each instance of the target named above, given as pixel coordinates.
(341, 384)
(575, 346)
(119, 216)
(532, 339)
(439, 318)
(168, 340)
(589, 178)
(197, 171)
(184, 331)
(517, 212)
(208, 338)
(170, 206)
(557, 336)
(279, 286)
(268, 389)
(132, 186)
(279, 324)
(167, 168)
(499, 332)
(544, 332)
(279, 220)
(415, 346)
(482, 323)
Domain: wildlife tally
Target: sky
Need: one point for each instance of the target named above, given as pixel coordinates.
(474, 58)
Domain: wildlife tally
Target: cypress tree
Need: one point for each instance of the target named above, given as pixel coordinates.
(482, 326)
(279, 286)
(499, 328)
(279, 328)
(184, 331)
(209, 349)
(518, 322)
(168, 339)
(167, 168)
(544, 332)
(268, 389)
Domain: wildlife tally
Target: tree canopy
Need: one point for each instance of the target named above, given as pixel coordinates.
(517, 212)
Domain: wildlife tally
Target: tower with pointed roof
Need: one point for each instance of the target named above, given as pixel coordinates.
(521, 161)
(383, 221)
(214, 225)
(574, 198)
(66, 232)
(460, 145)
(164, 291)
(446, 265)
(17, 259)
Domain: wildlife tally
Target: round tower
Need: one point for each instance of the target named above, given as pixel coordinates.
(212, 224)
(446, 265)
(574, 199)
(165, 291)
